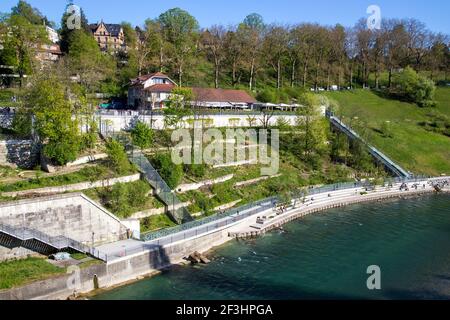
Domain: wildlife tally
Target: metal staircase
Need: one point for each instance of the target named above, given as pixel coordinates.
(12, 237)
(385, 160)
(174, 206)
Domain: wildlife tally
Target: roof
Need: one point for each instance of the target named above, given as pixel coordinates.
(113, 29)
(161, 88)
(139, 80)
(222, 95)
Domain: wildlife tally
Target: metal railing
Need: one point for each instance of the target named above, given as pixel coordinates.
(175, 207)
(57, 242)
(391, 165)
(156, 239)
(202, 226)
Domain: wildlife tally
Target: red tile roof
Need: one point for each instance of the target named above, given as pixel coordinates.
(161, 88)
(222, 95)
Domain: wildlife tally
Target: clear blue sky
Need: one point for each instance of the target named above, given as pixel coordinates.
(435, 13)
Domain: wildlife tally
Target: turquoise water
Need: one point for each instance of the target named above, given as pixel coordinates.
(324, 256)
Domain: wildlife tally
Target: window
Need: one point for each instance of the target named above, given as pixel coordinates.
(158, 81)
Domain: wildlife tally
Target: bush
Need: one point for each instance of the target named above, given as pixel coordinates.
(62, 150)
(117, 157)
(171, 173)
(142, 135)
(126, 198)
(411, 86)
(267, 95)
(195, 170)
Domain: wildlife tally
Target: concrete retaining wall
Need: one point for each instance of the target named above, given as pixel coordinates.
(71, 215)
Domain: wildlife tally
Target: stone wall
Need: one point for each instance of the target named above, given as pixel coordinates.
(6, 120)
(22, 153)
(71, 215)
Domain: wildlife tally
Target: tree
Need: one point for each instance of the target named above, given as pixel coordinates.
(178, 107)
(252, 31)
(33, 15)
(312, 131)
(214, 43)
(22, 43)
(179, 29)
(234, 54)
(409, 85)
(65, 32)
(142, 135)
(47, 100)
(86, 60)
(275, 46)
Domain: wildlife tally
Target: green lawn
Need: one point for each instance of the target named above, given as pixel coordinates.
(92, 173)
(413, 147)
(19, 272)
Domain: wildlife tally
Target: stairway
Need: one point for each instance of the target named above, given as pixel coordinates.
(379, 156)
(177, 212)
(13, 237)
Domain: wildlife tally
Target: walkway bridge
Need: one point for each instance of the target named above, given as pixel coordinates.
(174, 206)
(14, 237)
(378, 155)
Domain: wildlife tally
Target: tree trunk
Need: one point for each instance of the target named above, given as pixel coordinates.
(293, 74)
(252, 70)
(351, 76)
(234, 74)
(278, 74)
(305, 70)
(180, 75)
(216, 76)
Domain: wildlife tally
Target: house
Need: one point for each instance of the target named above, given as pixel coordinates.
(110, 37)
(49, 53)
(150, 91)
(222, 98)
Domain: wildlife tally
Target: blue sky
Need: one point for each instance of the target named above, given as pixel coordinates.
(208, 12)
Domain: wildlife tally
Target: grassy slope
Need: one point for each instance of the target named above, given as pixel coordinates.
(20, 272)
(412, 146)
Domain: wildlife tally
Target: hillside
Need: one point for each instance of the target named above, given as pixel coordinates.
(418, 138)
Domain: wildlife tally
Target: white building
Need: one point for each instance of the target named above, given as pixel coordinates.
(150, 91)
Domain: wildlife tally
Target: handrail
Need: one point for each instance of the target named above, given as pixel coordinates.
(58, 242)
(391, 165)
(174, 206)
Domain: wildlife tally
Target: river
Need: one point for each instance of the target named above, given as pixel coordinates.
(323, 256)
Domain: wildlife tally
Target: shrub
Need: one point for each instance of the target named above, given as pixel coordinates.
(267, 95)
(62, 150)
(195, 170)
(169, 171)
(117, 157)
(126, 198)
(411, 86)
(142, 135)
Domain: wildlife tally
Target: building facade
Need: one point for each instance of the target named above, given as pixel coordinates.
(110, 37)
(150, 92)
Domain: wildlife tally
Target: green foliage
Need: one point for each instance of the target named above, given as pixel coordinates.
(414, 87)
(142, 135)
(25, 10)
(124, 199)
(177, 107)
(86, 174)
(66, 33)
(117, 157)
(156, 222)
(195, 170)
(171, 173)
(47, 101)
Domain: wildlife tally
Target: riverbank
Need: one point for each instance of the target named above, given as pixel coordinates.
(142, 264)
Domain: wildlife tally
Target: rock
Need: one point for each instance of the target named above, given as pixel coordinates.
(196, 257)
